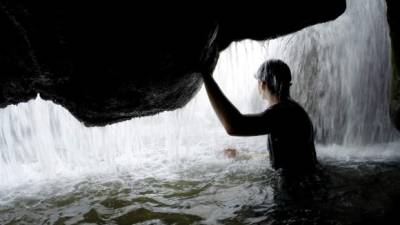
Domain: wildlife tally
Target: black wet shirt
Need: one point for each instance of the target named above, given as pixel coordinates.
(291, 137)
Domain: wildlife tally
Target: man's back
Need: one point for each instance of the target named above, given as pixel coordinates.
(291, 138)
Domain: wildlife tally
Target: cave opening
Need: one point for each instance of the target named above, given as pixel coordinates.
(171, 166)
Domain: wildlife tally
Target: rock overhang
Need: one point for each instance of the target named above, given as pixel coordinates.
(107, 63)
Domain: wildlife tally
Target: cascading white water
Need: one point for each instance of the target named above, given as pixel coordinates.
(341, 72)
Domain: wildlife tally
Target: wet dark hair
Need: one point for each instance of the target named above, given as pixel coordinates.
(277, 76)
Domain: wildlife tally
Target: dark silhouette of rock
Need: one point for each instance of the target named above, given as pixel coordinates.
(109, 62)
(393, 19)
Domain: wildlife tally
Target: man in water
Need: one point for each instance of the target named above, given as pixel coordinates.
(291, 134)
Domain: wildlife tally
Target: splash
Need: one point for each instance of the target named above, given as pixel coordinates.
(341, 72)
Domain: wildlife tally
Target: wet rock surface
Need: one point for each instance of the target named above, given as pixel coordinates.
(110, 62)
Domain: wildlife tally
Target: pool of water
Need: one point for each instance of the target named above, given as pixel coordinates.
(244, 190)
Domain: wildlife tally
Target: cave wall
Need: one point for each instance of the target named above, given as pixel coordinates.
(110, 62)
(393, 9)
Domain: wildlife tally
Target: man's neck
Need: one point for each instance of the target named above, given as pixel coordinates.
(273, 100)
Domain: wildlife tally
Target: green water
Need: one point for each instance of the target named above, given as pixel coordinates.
(342, 193)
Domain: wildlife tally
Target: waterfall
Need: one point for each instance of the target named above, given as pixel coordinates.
(341, 74)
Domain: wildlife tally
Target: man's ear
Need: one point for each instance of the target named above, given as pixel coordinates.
(263, 85)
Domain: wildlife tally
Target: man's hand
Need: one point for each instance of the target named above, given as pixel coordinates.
(210, 55)
(209, 61)
(230, 152)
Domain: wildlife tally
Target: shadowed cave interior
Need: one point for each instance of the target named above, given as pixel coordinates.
(87, 159)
